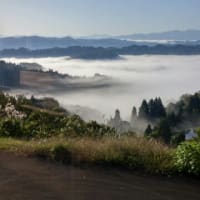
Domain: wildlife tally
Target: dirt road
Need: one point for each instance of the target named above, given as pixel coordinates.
(24, 178)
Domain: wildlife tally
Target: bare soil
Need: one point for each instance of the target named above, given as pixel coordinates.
(23, 178)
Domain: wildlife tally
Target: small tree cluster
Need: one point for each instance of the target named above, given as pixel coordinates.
(151, 110)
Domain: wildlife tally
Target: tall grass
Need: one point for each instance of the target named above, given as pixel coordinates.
(127, 152)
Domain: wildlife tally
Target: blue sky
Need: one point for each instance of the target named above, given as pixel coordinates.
(88, 17)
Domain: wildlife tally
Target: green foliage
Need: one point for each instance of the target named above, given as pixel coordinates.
(95, 143)
(178, 116)
(164, 131)
(44, 118)
(173, 119)
(11, 128)
(156, 108)
(148, 131)
(177, 138)
(193, 106)
(152, 110)
(187, 158)
(61, 153)
(96, 129)
(144, 110)
(186, 109)
(198, 132)
(3, 99)
(129, 152)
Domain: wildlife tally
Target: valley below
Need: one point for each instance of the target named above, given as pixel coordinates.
(107, 85)
(99, 100)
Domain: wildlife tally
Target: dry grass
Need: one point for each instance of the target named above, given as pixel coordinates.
(127, 152)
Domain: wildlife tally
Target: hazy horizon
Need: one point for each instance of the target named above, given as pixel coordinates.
(140, 76)
(93, 17)
(100, 35)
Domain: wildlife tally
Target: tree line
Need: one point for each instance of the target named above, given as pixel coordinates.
(170, 123)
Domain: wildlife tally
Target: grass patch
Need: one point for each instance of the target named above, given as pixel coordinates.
(127, 152)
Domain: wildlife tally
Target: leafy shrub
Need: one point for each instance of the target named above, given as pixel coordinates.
(43, 118)
(188, 158)
(11, 128)
(61, 153)
(177, 138)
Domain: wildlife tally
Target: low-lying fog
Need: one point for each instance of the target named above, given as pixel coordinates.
(139, 77)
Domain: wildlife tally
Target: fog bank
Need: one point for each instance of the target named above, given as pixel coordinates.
(139, 77)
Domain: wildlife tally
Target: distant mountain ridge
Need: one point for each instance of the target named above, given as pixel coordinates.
(39, 42)
(189, 37)
(168, 35)
(92, 53)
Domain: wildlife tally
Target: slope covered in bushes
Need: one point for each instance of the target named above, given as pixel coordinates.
(40, 127)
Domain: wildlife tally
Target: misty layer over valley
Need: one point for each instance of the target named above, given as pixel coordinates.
(126, 83)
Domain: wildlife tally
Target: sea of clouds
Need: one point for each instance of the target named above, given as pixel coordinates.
(138, 77)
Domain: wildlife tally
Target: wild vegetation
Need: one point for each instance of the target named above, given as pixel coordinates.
(171, 123)
(40, 127)
(38, 118)
(168, 124)
(125, 152)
